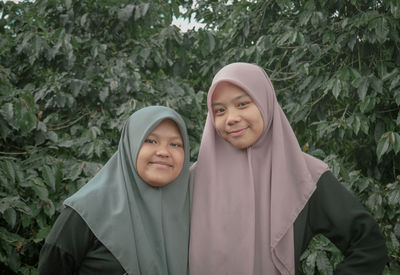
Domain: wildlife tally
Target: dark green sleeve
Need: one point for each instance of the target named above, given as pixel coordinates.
(66, 245)
(336, 213)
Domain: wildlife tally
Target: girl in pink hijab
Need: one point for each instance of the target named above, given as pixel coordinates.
(257, 199)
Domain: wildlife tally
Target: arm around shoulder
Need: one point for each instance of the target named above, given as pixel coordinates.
(339, 216)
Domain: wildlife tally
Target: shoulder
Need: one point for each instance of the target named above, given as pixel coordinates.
(65, 227)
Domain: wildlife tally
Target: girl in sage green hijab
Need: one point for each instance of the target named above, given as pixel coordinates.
(133, 216)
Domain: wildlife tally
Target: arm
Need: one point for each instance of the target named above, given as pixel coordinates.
(66, 245)
(336, 213)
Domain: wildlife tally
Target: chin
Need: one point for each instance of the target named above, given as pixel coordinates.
(240, 146)
(157, 184)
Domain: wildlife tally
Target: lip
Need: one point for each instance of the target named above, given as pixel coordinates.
(237, 133)
(160, 164)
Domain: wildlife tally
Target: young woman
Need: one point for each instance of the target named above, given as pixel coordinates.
(133, 216)
(257, 199)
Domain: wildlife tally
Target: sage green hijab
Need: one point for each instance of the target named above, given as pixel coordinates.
(145, 228)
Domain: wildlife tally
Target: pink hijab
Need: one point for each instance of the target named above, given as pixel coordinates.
(244, 202)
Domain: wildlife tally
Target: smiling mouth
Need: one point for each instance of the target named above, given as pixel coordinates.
(237, 133)
(160, 164)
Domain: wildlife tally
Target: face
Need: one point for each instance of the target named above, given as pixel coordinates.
(161, 157)
(237, 118)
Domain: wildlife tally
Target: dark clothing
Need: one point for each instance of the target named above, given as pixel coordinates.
(334, 212)
(72, 248)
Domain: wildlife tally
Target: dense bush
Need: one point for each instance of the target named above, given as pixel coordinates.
(71, 72)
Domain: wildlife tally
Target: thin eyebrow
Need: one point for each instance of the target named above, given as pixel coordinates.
(177, 137)
(172, 137)
(153, 135)
(235, 98)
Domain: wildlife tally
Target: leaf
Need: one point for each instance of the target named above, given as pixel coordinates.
(395, 82)
(6, 203)
(10, 215)
(49, 178)
(381, 29)
(76, 86)
(91, 168)
(311, 259)
(141, 10)
(7, 111)
(40, 189)
(383, 146)
(9, 168)
(336, 88)
(99, 148)
(379, 130)
(394, 197)
(377, 85)
(103, 94)
(362, 88)
(211, 41)
(397, 97)
(356, 125)
(94, 132)
(83, 19)
(367, 104)
(52, 136)
(42, 234)
(66, 143)
(22, 207)
(395, 9)
(49, 208)
(14, 261)
(68, 4)
(126, 12)
(398, 118)
(374, 201)
(364, 125)
(323, 264)
(75, 171)
(394, 241)
(396, 142)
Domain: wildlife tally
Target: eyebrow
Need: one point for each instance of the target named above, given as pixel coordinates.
(235, 98)
(172, 137)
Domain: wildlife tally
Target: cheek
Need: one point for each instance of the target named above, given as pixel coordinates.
(260, 123)
(219, 124)
(141, 160)
(180, 159)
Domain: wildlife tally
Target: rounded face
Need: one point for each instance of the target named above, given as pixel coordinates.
(161, 157)
(237, 118)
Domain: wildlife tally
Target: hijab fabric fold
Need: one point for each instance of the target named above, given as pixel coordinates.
(145, 228)
(244, 202)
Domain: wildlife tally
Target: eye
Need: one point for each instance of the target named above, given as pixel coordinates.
(150, 140)
(176, 145)
(219, 110)
(243, 103)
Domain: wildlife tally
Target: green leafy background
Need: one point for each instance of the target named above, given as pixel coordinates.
(71, 72)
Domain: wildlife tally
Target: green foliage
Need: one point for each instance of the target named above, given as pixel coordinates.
(71, 72)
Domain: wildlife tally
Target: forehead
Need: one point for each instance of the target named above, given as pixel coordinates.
(167, 126)
(226, 91)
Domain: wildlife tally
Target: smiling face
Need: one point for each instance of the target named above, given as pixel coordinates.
(237, 118)
(161, 157)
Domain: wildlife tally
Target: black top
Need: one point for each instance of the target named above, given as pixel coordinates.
(335, 213)
(72, 248)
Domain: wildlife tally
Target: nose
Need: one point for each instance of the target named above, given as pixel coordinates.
(162, 151)
(233, 117)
